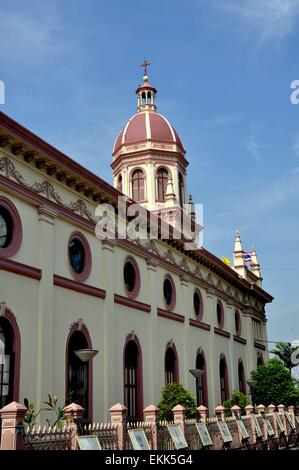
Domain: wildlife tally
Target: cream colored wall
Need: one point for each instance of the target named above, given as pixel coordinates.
(45, 314)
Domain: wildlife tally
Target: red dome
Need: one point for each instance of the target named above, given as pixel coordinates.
(147, 125)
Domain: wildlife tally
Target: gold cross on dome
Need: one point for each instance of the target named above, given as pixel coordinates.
(145, 64)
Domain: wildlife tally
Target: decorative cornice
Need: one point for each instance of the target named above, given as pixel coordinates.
(51, 161)
(47, 214)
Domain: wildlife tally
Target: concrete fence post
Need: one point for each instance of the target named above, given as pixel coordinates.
(12, 416)
(203, 413)
(271, 409)
(219, 411)
(261, 410)
(150, 414)
(236, 414)
(179, 416)
(71, 413)
(291, 410)
(118, 415)
(282, 415)
(249, 410)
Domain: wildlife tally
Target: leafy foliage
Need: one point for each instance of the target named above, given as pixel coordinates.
(175, 394)
(284, 351)
(274, 385)
(51, 405)
(237, 398)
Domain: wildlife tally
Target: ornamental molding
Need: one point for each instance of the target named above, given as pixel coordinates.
(44, 188)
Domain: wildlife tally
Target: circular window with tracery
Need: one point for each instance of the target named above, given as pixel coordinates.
(79, 256)
(10, 228)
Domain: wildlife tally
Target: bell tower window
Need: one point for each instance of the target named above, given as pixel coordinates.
(162, 180)
(138, 185)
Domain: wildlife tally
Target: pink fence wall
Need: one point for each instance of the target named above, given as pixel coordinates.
(114, 435)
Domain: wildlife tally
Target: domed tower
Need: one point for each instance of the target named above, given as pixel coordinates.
(149, 164)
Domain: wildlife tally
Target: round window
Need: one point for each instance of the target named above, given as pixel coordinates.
(76, 255)
(237, 323)
(167, 289)
(79, 256)
(169, 293)
(10, 228)
(6, 227)
(131, 277)
(220, 315)
(197, 304)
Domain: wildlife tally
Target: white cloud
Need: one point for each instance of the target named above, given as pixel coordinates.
(271, 20)
(31, 32)
(253, 146)
(222, 120)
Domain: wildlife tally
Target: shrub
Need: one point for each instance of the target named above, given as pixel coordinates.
(175, 394)
(237, 398)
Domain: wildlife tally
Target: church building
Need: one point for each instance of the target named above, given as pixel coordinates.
(101, 320)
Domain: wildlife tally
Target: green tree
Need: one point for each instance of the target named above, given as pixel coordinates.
(284, 351)
(274, 385)
(175, 394)
(237, 398)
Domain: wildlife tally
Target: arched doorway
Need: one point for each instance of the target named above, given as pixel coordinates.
(133, 392)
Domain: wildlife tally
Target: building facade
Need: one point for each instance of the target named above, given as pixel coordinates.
(152, 309)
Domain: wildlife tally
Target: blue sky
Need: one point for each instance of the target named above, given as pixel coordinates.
(223, 71)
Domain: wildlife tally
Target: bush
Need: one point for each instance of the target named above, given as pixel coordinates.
(175, 394)
(237, 398)
(274, 385)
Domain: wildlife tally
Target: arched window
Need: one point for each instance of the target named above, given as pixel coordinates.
(181, 190)
(120, 183)
(260, 360)
(79, 373)
(133, 380)
(138, 185)
(171, 365)
(201, 382)
(10, 354)
(241, 377)
(224, 391)
(6, 362)
(162, 180)
(143, 97)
